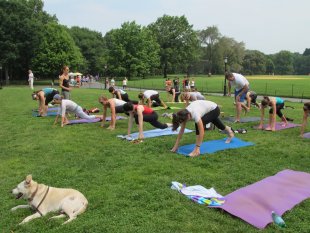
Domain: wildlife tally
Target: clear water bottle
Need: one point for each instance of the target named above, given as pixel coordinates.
(278, 220)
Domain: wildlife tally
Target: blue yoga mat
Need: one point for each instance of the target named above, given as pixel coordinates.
(153, 133)
(35, 114)
(214, 146)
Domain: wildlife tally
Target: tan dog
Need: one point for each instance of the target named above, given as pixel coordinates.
(44, 199)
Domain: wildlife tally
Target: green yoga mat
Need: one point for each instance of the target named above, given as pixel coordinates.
(162, 108)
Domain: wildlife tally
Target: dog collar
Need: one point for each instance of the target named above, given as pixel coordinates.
(35, 192)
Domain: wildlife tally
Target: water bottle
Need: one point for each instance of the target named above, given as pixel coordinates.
(278, 220)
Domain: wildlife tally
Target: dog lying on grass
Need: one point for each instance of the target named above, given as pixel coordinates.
(44, 199)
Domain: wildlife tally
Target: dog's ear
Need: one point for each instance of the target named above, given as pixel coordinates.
(28, 179)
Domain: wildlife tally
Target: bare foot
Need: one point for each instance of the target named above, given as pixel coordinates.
(230, 136)
(194, 154)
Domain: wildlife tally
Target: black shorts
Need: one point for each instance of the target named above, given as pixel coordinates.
(50, 97)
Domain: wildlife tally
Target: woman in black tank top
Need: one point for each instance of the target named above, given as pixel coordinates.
(64, 83)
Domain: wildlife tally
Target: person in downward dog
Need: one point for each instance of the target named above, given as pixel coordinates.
(142, 114)
(116, 106)
(69, 106)
(202, 112)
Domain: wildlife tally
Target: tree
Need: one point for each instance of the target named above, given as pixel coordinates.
(270, 68)
(283, 63)
(254, 62)
(233, 50)
(178, 43)
(92, 47)
(21, 26)
(132, 51)
(57, 48)
(306, 52)
(302, 64)
(208, 37)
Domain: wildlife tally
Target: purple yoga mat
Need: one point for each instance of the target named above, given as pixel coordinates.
(280, 127)
(81, 121)
(307, 135)
(278, 193)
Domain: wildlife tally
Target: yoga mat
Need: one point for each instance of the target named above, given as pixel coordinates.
(278, 193)
(162, 108)
(280, 127)
(81, 121)
(35, 114)
(307, 135)
(53, 109)
(242, 120)
(153, 133)
(214, 146)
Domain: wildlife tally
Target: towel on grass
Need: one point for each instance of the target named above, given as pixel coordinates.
(94, 120)
(214, 146)
(242, 120)
(307, 135)
(153, 133)
(200, 194)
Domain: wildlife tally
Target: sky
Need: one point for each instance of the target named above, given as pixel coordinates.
(269, 26)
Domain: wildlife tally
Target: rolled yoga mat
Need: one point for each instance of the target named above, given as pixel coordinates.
(280, 193)
(214, 146)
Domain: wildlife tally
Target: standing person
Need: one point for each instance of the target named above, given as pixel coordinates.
(151, 95)
(125, 83)
(69, 106)
(44, 96)
(192, 84)
(202, 112)
(275, 104)
(116, 106)
(112, 82)
(186, 83)
(241, 88)
(30, 79)
(142, 114)
(176, 84)
(64, 81)
(120, 94)
(306, 109)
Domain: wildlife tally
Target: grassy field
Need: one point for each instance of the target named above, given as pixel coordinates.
(128, 185)
(288, 86)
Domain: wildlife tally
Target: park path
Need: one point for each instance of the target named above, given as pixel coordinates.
(98, 85)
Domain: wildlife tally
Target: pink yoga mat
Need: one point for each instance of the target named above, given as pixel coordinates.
(278, 193)
(280, 127)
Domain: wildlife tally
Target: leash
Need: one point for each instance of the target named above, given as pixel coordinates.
(37, 208)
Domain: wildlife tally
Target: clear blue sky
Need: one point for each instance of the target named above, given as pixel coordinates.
(265, 25)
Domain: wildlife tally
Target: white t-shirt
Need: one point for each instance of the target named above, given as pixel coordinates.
(118, 102)
(125, 82)
(196, 95)
(239, 82)
(199, 108)
(147, 94)
(67, 106)
(30, 76)
(120, 91)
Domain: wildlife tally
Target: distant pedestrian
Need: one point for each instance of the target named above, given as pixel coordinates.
(30, 79)
(125, 83)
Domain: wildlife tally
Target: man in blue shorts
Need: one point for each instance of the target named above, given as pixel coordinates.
(241, 85)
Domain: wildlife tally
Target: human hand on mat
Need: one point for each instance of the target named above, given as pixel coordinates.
(260, 126)
(270, 129)
(174, 149)
(111, 127)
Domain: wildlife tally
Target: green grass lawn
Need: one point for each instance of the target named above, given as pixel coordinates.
(128, 185)
(289, 86)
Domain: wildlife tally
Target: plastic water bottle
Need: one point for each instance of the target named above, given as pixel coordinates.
(278, 220)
